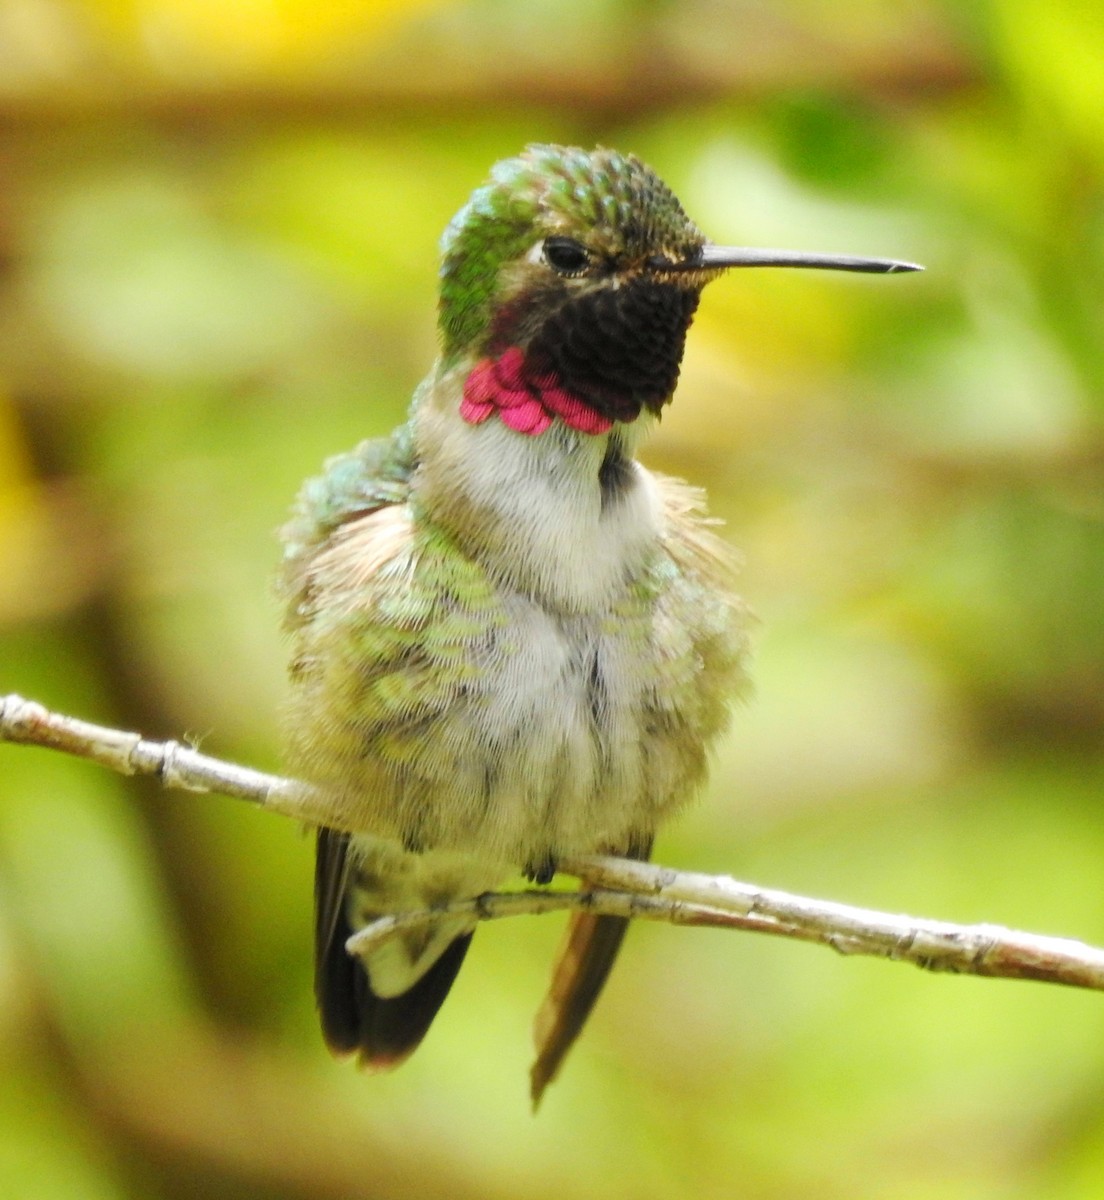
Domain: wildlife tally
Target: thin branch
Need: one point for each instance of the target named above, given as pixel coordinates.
(492, 906)
(981, 949)
(612, 886)
(179, 767)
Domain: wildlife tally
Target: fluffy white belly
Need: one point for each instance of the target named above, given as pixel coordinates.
(543, 753)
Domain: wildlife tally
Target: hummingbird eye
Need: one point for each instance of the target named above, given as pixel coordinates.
(566, 256)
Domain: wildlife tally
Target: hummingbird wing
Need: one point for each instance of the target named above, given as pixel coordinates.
(581, 968)
(374, 476)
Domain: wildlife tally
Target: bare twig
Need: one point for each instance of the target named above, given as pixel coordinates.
(179, 767)
(982, 949)
(612, 886)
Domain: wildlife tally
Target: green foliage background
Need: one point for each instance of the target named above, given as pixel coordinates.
(217, 266)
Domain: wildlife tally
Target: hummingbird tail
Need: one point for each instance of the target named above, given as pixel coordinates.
(382, 1030)
(583, 964)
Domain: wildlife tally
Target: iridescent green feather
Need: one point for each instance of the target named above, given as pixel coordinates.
(375, 474)
(620, 203)
(386, 654)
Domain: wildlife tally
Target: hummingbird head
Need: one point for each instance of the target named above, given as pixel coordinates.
(569, 281)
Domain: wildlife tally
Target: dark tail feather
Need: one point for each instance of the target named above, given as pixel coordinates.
(383, 1030)
(582, 966)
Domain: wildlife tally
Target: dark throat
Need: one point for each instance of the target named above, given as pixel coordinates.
(615, 474)
(618, 349)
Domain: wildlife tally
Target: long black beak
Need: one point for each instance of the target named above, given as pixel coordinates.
(711, 258)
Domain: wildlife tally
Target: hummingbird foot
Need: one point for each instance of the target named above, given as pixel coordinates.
(541, 872)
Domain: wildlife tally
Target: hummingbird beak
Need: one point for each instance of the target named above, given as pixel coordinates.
(716, 258)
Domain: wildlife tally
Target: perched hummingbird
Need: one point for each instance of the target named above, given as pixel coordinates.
(512, 642)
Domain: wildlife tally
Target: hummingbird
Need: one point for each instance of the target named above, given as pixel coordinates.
(511, 641)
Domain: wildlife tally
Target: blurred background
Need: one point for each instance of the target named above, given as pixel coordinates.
(218, 230)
